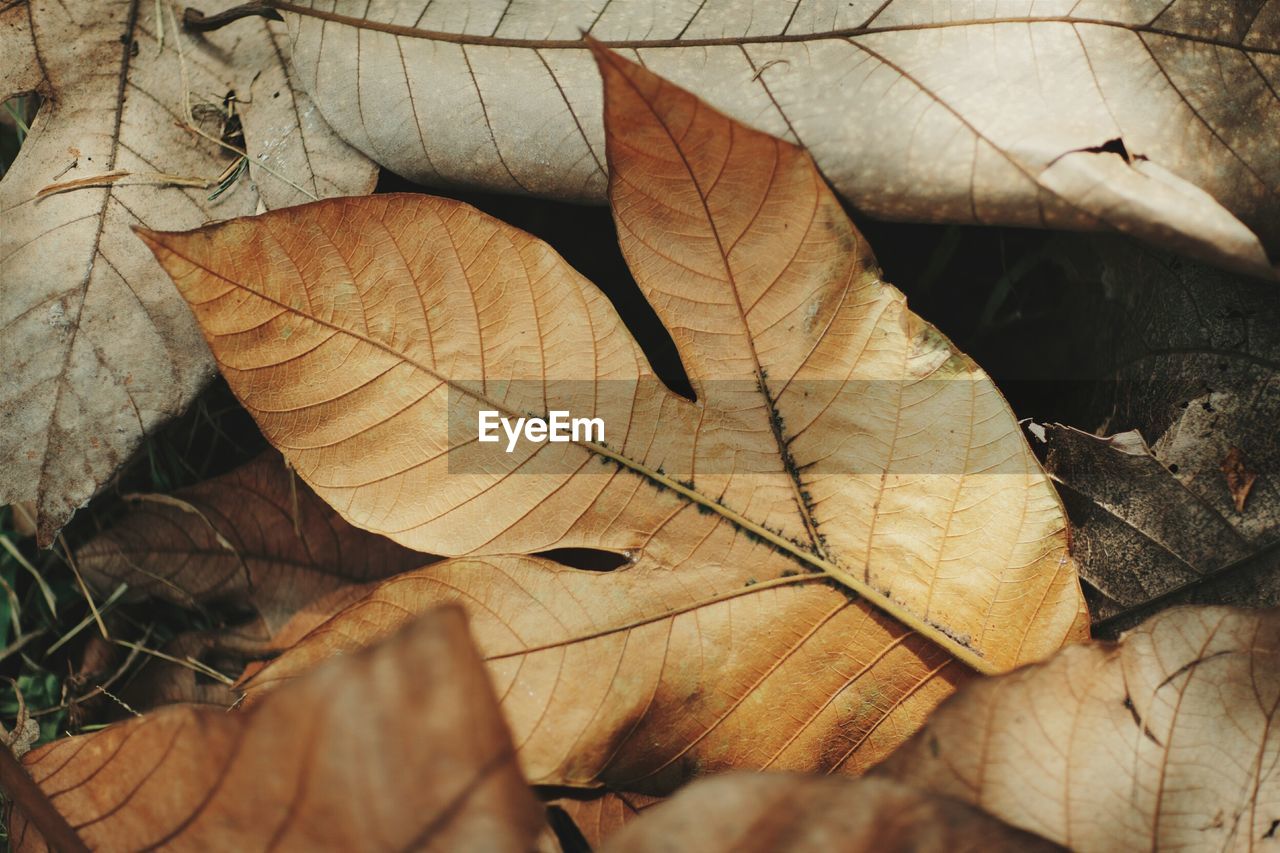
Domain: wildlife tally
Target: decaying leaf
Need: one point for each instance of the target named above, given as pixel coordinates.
(1166, 740)
(1157, 118)
(97, 349)
(1186, 359)
(400, 746)
(766, 812)
(256, 537)
(838, 443)
(1151, 537)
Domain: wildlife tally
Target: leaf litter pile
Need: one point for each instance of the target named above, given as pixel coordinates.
(821, 580)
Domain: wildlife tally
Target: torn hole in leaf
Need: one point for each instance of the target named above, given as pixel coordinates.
(1115, 146)
(566, 831)
(587, 559)
(16, 116)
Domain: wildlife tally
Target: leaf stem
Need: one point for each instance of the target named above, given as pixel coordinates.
(195, 21)
(35, 804)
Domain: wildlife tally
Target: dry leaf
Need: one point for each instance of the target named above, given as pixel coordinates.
(629, 680)
(764, 812)
(159, 681)
(1157, 118)
(836, 436)
(1166, 740)
(400, 746)
(97, 349)
(1149, 537)
(1185, 358)
(234, 540)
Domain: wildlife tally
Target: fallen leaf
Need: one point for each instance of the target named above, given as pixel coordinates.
(98, 350)
(1149, 539)
(836, 438)
(160, 681)
(399, 746)
(766, 812)
(1156, 119)
(1165, 740)
(256, 538)
(1185, 359)
(639, 678)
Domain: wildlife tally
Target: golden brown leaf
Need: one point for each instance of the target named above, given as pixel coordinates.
(836, 436)
(400, 746)
(765, 812)
(1166, 740)
(255, 537)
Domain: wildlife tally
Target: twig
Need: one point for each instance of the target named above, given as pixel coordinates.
(189, 663)
(106, 605)
(35, 573)
(122, 177)
(84, 589)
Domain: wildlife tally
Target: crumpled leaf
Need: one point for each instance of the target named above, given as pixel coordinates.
(97, 349)
(1157, 118)
(766, 812)
(399, 746)
(836, 437)
(1166, 740)
(1186, 359)
(256, 538)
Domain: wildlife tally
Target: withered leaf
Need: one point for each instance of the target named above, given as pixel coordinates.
(97, 349)
(836, 437)
(1148, 537)
(400, 746)
(632, 680)
(1162, 741)
(256, 537)
(1157, 118)
(1185, 359)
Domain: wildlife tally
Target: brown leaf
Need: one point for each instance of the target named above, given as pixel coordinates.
(1185, 359)
(234, 540)
(1165, 740)
(97, 349)
(631, 680)
(399, 746)
(159, 681)
(836, 437)
(1156, 119)
(765, 812)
